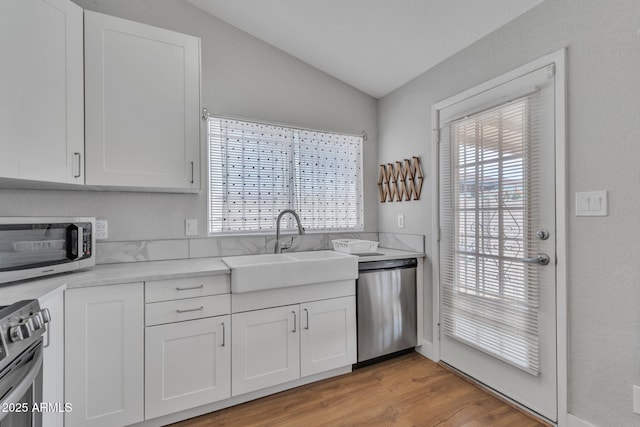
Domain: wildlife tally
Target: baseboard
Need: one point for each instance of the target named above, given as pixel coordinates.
(426, 349)
(573, 421)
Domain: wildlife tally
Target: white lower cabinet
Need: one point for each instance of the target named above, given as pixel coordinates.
(265, 348)
(104, 337)
(328, 335)
(53, 358)
(187, 364)
(276, 345)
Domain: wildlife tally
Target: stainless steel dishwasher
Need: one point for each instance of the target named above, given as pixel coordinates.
(386, 307)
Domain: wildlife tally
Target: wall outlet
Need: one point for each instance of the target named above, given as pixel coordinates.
(636, 399)
(400, 221)
(191, 227)
(102, 229)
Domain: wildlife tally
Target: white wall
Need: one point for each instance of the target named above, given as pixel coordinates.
(603, 40)
(241, 76)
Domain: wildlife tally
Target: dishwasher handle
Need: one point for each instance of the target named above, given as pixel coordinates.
(391, 264)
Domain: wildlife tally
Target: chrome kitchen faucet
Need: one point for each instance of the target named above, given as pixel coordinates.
(278, 248)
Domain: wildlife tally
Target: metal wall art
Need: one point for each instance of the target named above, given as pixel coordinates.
(400, 181)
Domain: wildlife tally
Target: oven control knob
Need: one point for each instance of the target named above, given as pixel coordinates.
(37, 321)
(20, 332)
(46, 316)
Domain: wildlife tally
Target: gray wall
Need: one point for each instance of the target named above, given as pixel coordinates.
(603, 40)
(241, 76)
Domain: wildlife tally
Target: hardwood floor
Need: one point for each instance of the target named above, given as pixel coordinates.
(406, 391)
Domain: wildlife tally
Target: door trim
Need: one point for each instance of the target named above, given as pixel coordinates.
(557, 58)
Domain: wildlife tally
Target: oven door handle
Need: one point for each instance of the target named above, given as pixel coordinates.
(18, 391)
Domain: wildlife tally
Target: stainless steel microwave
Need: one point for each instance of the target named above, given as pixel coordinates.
(40, 246)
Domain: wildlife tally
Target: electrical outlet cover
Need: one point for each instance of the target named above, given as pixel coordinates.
(102, 229)
(191, 227)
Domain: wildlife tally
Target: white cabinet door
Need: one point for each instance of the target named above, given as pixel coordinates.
(41, 91)
(187, 364)
(327, 335)
(104, 355)
(141, 106)
(265, 348)
(53, 360)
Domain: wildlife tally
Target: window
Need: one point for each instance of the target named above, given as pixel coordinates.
(258, 169)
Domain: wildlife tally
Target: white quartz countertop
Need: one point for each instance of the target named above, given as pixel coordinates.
(112, 274)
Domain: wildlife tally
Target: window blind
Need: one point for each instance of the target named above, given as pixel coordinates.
(257, 169)
(488, 208)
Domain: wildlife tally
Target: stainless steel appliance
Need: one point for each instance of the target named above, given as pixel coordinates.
(33, 247)
(386, 307)
(21, 328)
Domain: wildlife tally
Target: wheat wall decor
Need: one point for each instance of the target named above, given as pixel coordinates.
(400, 181)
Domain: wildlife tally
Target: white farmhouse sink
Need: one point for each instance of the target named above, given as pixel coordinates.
(251, 273)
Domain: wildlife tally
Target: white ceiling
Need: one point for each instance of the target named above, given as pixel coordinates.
(373, 45)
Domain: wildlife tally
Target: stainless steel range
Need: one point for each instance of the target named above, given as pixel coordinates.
(22, 326)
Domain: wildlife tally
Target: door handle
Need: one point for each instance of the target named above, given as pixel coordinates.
(178, 288)
(295, 320)
(189, 310)
(223, 334)
(79, 157)
(307, 313)
(540, 259)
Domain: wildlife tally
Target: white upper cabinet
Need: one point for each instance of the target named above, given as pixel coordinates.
(41, 91)
(142, 106)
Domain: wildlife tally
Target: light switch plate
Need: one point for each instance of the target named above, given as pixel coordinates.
(400, 221)
(102, 229)
(592, 203)
(636, 399)
(191, 227)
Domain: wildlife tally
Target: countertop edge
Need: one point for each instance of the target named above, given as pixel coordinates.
(115, 274)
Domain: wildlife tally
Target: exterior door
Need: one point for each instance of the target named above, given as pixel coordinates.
(497, 249)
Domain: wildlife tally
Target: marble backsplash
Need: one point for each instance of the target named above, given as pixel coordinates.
(160, 250)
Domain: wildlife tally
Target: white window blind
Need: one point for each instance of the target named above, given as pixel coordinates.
(258, 169)
(489, 203)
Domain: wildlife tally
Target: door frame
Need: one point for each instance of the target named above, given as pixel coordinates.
(557, 58)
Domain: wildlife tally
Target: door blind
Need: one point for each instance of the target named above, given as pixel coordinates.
(489, 203)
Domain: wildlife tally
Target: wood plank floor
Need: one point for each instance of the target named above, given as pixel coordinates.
(406, 391)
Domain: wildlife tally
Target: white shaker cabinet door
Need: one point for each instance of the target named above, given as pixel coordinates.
(265, 348)
(327, 335)
(104, 355)
(53, 357)
(187, 364)
(142, 106)
(41, 91)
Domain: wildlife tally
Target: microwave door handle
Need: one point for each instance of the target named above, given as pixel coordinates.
(72, 241)
(80, 239)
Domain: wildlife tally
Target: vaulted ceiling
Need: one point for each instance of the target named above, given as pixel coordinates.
(373, 45)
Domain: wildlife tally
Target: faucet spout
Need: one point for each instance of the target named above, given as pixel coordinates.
(278, 248)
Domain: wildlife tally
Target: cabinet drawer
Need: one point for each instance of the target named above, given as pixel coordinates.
(186, 309)
(188, 287)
